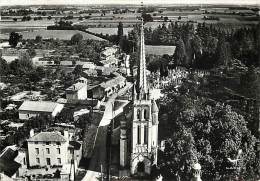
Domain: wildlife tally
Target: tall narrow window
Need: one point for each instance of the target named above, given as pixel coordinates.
(48, 161)
(48, 150)
(139, 134)
(37, 150)
(145, 134)
(59, 160)
(58, 150)
(38, 160)
(146, 114)
(138, 114)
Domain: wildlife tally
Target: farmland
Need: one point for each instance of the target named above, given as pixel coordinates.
(110, 31)
(55, 34)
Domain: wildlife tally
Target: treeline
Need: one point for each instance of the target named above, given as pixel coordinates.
(206, 46)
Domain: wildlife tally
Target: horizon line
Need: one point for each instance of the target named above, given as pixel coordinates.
(137, 4)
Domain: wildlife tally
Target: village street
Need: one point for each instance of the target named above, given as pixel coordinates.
(99, 147)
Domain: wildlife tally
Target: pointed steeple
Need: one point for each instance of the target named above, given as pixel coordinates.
(141, 81)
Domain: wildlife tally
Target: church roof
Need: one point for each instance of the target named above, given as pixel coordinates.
(142, 80)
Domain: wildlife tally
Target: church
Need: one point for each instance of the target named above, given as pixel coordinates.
(139, 137)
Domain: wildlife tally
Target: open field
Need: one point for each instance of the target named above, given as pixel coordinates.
(31, 23)
(8, 30)
(159, 49)
(55, 34)
(154, 25)
(110, 31)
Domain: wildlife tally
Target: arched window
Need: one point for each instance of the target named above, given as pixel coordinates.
(138, 114)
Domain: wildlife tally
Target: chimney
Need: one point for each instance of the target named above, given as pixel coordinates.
(31, 132)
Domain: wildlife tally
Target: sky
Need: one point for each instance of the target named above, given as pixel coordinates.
(49, 2)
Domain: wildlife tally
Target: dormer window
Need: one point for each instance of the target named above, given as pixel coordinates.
(47, 143)
(58, 143)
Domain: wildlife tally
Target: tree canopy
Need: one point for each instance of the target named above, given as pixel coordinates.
(77, 38)
(14, 38)
(209, 135)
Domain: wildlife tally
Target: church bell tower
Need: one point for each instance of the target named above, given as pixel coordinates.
(144, 134)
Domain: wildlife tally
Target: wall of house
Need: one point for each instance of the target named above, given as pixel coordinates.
(26, 115)
(82, 94)
(57, 109)
(43, 155)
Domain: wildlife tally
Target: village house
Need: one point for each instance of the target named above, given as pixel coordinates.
(113, 85)
(109, 51)
(52, 150)
(48, 148)
(10, 54)
(8, 165)
(31, 109)
(77, 91)
(110, 62)
(88, 65)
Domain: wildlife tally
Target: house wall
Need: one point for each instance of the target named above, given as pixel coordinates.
(83, 93)
(77, 156)
(57, 110)
(26, 115)
(43, 155)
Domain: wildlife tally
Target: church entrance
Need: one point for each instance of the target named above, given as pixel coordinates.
(140, 168)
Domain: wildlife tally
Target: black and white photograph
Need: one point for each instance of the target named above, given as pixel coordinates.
(130, 90)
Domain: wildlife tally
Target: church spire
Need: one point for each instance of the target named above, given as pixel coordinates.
(142, 82)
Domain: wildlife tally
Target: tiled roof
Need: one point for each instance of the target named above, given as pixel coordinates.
(48, 137)
(76, 86)
(113, 82)
(38, 106)
(9, 167)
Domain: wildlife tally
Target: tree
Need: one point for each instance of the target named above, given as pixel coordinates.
(223, 52)
(14, 38)
(147, 17)
(38, 38)
(77, 70)
(120, 31)
(180, 53)
(202, 134)
(3, 67)
(31, 52)
(76, 39)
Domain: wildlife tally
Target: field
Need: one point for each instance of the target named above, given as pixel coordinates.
(110, 31)
(154, 25)
(55, 34)
(159, 50)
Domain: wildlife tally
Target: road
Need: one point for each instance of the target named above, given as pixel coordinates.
(99, 150)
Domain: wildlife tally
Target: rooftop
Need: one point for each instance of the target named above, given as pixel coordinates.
(38, 106)
(48, 137)
(76, 86)
(112, 82)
